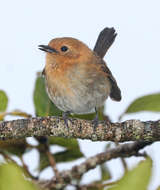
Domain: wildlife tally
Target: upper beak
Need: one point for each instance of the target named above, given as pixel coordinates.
(47, 49)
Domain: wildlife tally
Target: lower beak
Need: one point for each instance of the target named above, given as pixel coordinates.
(47, 49)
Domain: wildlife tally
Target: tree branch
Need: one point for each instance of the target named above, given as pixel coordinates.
(131, 130)
(125, 150)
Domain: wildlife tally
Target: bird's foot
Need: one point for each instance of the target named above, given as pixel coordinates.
(95, 122)
(65, 117)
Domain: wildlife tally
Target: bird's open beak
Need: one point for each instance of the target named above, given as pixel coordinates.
(47, 49)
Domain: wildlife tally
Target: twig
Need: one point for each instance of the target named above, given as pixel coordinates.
(7, 157)
(125, 150)
(43, 140)
(53, 164)
(124, 163)
(15, 113)
(25, 167)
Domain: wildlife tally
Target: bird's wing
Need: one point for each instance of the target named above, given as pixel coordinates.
(104, 41)
(115, 93)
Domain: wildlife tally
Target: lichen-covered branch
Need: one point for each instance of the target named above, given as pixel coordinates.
(131, 130)
(125, 150)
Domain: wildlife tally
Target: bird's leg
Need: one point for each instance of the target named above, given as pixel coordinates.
(65, 117)
(95, 120)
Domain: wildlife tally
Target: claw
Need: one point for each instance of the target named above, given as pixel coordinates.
(65, 117)
(95, 120)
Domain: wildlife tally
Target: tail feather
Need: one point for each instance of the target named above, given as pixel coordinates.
(104, 41)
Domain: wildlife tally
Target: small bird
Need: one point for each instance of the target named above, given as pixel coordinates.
(77, 78)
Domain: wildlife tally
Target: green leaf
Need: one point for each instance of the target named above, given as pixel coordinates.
(42, 103)
(138, 178)
(67, 143)
(91, 116)
(12, 178)
(71, 153)
(15, 146)
(3, 101)
(68, 155)
(145, 103)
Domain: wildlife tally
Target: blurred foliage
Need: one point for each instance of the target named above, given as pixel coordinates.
(3, 101)
(104, 170)
(105, 173)
(19, 113)
(71, 152)
(69, 143)
(12, 178)
(145, 103)
(15, 146)
(100, 184)
(138, 178)
(63, 156)
(91, 116)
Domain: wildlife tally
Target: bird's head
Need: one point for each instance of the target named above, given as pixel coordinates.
(66, 50)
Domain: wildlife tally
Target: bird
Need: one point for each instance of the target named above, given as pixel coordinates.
(78, 80)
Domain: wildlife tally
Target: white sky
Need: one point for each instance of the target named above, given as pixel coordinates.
(134, 58)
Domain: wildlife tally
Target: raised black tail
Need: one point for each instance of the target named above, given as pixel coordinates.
(104, 41)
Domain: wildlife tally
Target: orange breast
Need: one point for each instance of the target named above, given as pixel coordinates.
(58, 80)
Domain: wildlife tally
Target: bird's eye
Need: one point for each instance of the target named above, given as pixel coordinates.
(64, 48)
